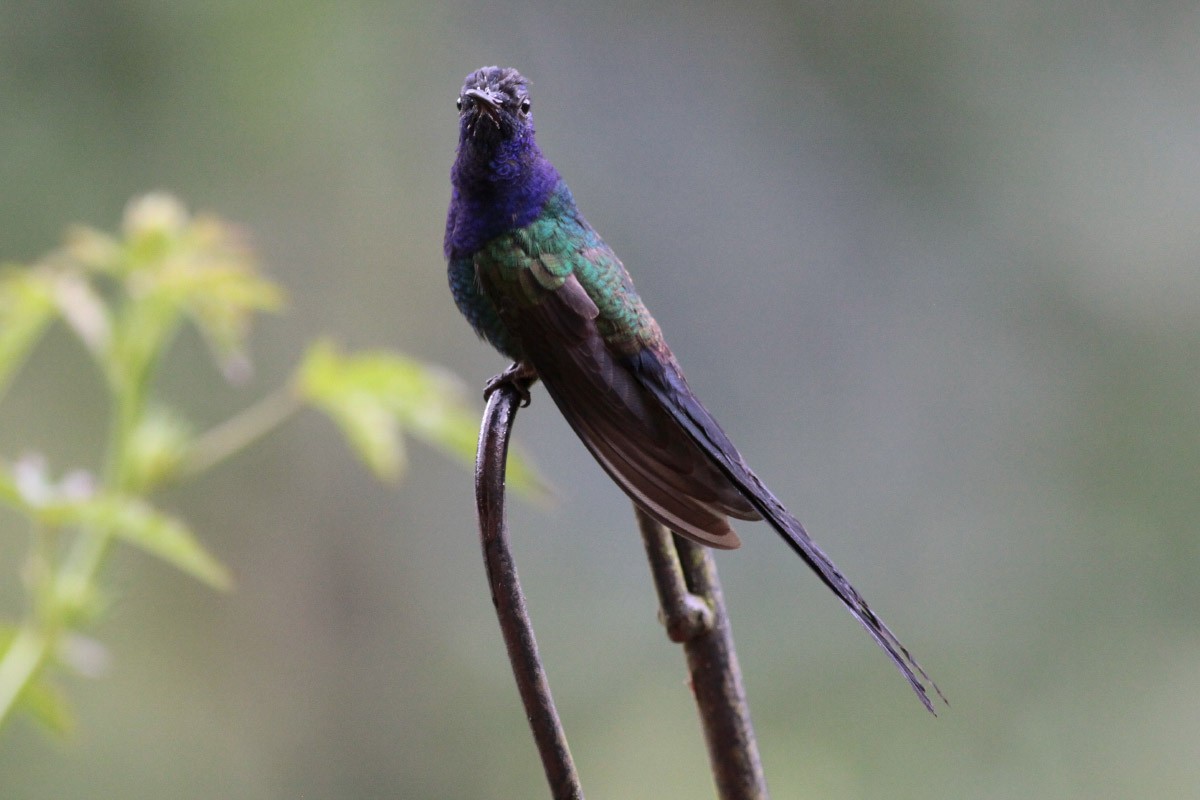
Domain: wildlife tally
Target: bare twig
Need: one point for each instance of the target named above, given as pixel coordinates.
(693, 611)
(510, 601)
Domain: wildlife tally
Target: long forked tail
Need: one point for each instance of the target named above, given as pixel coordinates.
(798, 539)
(662, 378)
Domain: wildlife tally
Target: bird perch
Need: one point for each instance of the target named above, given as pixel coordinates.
(692, 609)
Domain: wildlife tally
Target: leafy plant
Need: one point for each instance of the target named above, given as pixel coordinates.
(124, 297)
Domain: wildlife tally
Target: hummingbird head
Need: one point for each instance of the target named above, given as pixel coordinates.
(500, 178)
(494, 108)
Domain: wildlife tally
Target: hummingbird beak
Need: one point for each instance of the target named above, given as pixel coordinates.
(486, 118)
(488, 100)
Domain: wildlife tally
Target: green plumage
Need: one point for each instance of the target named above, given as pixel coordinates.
(520, 267)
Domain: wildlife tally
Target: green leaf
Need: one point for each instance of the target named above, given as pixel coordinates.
(48, 705)
(84, 311)
(374, 395)
(373, 433)
(218, 283)
(93, 250)
(26, 308)
(171, 266)
(356, 405)
(453, 427)
(221, 303)
(134, 521)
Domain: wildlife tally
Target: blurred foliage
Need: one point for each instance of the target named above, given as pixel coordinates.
(374, 395)
(124, 297)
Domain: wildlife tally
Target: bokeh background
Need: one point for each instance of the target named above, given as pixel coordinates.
(933, 265)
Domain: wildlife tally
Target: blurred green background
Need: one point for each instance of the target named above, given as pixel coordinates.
(933, 266)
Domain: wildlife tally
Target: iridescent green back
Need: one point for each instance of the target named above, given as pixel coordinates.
(521, 266)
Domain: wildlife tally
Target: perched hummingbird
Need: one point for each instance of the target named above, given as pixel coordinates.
(536, 281)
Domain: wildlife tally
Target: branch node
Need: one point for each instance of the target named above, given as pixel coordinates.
(692, 617)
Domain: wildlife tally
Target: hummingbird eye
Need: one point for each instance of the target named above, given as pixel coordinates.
(525, 105)
(458, 103)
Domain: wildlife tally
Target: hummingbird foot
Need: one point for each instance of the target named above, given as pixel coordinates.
(519, 375)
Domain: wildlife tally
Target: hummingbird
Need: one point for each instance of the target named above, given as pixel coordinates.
(537, 282)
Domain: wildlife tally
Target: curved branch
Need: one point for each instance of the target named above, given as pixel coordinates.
(507, 597)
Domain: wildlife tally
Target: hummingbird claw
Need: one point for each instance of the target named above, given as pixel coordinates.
(519, 375)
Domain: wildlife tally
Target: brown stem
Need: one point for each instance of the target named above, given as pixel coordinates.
(507, 597)
(693, 610)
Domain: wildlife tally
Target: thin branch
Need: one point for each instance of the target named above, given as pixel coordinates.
(685, 576)
(508, 599)
(240, 430)
(683, 614)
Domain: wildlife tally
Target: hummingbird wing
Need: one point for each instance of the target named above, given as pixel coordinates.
(642, 448)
